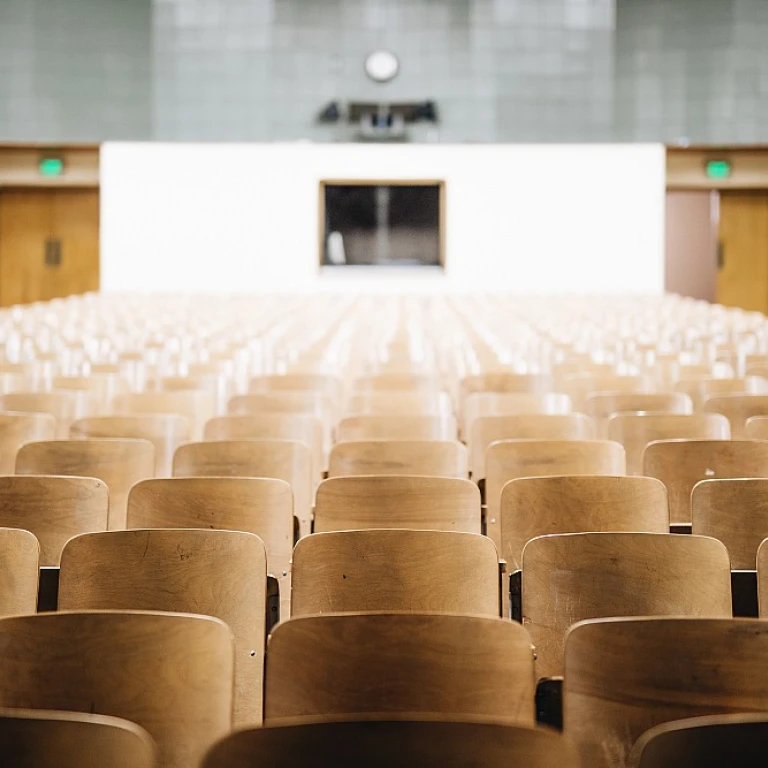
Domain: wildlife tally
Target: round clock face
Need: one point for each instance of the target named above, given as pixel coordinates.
(381, 66)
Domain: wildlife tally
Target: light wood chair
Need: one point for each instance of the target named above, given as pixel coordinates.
(510, 459)
(166, 431)
(395, 427)
(490, 429)
(438, 458)
(17, 428)
(580, 387)
(301, 427)
(36, 739)
(480, 404)
(170, 674)
(259, 505)
(318, 382)
(399, 570)
(281, 459)
(762, 580)
(736, 513)
(538, 506)
(398, 501)
(703, 742)
(409, 743)
(504, 381)
(215, 573)
(756, 428)
(119, 463)
(399, 662)
(65, 406)
(54, 509)
(399, 403)
(19, 572)
(680, 464)
(636, 430)
(624, 676)
(102, 388)
(576, 576)
(738, 409)
(602, 406)
(700, 388)
(196, 406)
(397, 382)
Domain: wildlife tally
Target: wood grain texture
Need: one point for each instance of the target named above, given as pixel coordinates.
(280, 459)
(490, 429)
(577, 576)
(680, 464)
(54, 509)
(538, 506)
(480, 404)
(737, 409)
(119, 463)
(169, 673)
(17, 428)
(437, 458)
(262, 506)
(756, 428)
(510, 459)
(705, 742)
(197, 406)
(214, 573)
(602, 406)
(398, 501)
(395, 570)
(736, 513)
(624, 676)
(166, 431)
(635, 431)
(762, 580)
(300, 427)
(19, 572)
(396, 427)
(66, 406)
(378, 663)
(411, 743)
(35, 739)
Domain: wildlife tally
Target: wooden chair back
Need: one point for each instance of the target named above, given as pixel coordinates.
(19, 572)
(713, 740)
(736, 513)
(65, 406)
(259, 505)
(196, 406)
(510, 459)
(539, 506)
(300, 427)
(581, 386)
(762, 579)
(399, 403)
(480, 404)
(399, 662)
(281, 459)
(604, 405)
(438, 458)
(636, 430)
(166, 431)
(680, 464)
(34, 739)
(54, 509)
(216, 573)
(491, 429)
(624, 676)
(700, 388)
(396, 427)
(756, 428)
(17, 428)
(397, 382)
(318, 382)
(401, 570)
(170, 674)
(397, 501)
(408, 743)
(119, 463)
(576, 576)
(504, 381)
(738, 409)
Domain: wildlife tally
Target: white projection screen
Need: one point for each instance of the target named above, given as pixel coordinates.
(244, 218)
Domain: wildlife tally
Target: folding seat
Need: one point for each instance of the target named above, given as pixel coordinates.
(398, 403)
(437, 458)
(397, 382)
(197, 406)
(17, 428)
(581, 386)
(480, 404)
(700, 388)
(602, 406)
(396, 427)
(119, 463)
(737, 409)
(65, 406)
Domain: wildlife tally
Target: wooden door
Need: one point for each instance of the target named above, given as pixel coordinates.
(742, 279)
(49, 244)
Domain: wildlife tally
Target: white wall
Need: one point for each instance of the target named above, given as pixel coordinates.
(244, 217)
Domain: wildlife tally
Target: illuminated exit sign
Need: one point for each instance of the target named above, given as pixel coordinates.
(718, 169)
(50, 166)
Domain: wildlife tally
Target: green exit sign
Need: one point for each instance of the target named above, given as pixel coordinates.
(51, 166)
(718, 169)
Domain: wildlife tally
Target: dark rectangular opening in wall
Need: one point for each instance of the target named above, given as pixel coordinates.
(387, 223)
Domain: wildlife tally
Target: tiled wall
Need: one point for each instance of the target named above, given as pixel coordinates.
(499, 70)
